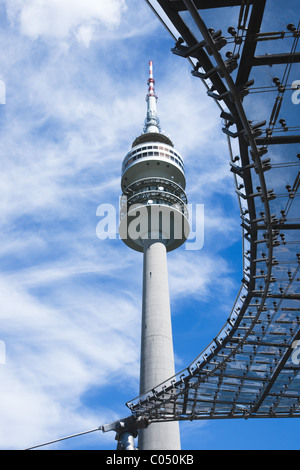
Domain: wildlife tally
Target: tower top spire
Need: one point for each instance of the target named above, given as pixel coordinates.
(151, 121)
(151, 81)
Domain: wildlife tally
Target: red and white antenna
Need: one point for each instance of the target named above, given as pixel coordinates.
(152, 121)
(151, 80)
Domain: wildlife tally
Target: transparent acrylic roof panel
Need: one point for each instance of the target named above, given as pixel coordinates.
(250, 368)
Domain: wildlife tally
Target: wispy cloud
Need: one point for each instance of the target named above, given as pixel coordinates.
(54, 355)
(59, 18)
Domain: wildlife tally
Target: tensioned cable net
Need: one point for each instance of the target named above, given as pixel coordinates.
(251, 368)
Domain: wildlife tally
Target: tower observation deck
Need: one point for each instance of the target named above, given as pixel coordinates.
(154, 220)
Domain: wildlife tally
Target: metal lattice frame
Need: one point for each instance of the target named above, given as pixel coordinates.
(251, 368)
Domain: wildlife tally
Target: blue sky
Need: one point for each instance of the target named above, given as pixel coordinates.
(76, 80)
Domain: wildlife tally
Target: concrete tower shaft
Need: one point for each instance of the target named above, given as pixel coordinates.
(157, 357)
(154, 220)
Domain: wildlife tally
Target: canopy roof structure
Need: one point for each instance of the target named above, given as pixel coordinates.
(251, 369)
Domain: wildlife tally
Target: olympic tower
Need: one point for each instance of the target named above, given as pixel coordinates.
(154, 221)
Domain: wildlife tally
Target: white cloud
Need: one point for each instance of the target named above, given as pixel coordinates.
(53, 356)
(190, 126)
(195, 273)
(59, 18)
(85, 34)
(55, 130)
